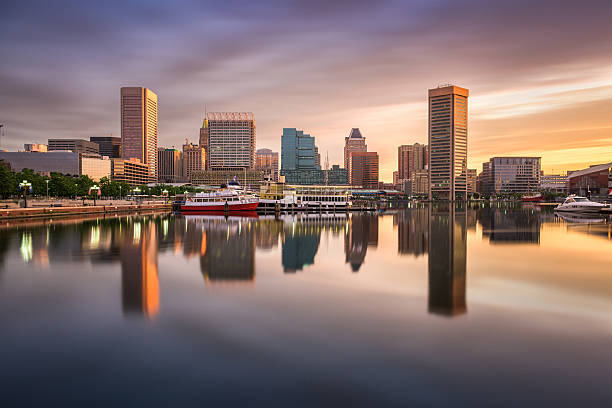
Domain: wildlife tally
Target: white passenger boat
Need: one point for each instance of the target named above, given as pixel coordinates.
(579, 204)
(336, 198)
(226, 199)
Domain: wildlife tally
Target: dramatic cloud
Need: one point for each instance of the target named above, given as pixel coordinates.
(539, 73)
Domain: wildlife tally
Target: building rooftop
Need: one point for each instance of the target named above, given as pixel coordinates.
(229, 116)
(592, 169)
(355, 134)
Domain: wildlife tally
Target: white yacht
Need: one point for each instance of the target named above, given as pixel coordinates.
(579, 204)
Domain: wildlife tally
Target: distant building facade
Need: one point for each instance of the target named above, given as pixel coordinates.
(336, 176)
(354, 142)
(510, 175)
(364, 169)
(554, 183)
(108, 145)
(194, 160)
(298, 158)
(169, 165)
(411, 158)
(64, 162)
(472, 176)
(73, 145)
(35, 147)
(419, 182)
(229, 140)
(248, 178)
(94, 166)
(448, 134)
(130, 171)
(596, 179)
(139, 126)
(267, 161)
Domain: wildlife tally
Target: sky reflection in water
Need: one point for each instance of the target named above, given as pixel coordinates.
(466, 305)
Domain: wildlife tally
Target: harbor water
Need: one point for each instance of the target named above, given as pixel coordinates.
(431, 305)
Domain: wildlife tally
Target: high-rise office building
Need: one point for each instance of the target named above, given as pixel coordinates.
(139, 126)
(169, 165)
(364, 169)
(267, 161)
(229, 140)
(354, 142)
(509, 175)
(73, 145)
(298, 158)
(194, 160)
(108, 145)
(448, 133)
(411, 158)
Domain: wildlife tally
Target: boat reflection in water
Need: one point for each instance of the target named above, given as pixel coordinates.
(447, 259)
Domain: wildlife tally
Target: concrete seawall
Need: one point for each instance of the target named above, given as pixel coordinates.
(72, 211)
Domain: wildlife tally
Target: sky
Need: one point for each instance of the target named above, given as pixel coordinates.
(539, 72)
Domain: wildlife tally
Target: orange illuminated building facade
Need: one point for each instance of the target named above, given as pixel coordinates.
(139, 126)
(364, 169)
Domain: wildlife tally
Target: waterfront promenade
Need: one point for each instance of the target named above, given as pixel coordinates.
(46, 212)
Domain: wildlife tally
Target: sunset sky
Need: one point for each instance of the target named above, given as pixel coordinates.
(539, 72)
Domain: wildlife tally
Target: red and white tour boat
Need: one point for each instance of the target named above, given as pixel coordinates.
(221, 200)
(533, 198)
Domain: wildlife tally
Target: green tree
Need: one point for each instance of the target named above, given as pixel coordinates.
(8, 182)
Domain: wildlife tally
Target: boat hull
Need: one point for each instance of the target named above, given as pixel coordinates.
(532, 199)
(220, 207)
(580, 210)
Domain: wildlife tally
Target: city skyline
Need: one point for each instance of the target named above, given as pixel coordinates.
(544, 93)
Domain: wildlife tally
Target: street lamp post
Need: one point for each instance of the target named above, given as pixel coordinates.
(96, 191)
(24, 185)
(137, 191)
(47, 189)
(165, 193)
(120, 192)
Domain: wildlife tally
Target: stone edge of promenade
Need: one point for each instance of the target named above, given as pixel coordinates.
(12, 213)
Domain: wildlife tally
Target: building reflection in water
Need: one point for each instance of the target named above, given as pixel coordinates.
(227, 247)
(362, 233)
(412, 231)
(139, 275)
(302, 236)
(447, 259)
(510, 224)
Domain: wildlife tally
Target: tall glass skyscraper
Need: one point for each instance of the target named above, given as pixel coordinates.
(448, 142)
(298, 158)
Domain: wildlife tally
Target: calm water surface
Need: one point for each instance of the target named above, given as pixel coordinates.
(465, 306)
